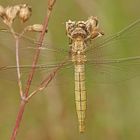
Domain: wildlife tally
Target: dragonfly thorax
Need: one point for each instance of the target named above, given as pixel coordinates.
(78, 48)
(78, 45)
(79, 31)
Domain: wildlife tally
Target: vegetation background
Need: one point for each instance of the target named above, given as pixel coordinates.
(113, 109)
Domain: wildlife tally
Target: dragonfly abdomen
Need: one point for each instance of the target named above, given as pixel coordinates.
(80, 95)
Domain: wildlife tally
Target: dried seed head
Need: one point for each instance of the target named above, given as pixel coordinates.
(2, 11)
(17, 7)
(10, 14)
(25, 12)
(35, 28)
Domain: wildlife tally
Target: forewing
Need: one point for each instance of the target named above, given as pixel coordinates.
(116, 58)
(50, 58)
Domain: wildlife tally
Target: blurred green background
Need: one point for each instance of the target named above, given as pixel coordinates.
(113, 109)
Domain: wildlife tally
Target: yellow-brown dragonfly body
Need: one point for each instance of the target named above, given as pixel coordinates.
(79, 34)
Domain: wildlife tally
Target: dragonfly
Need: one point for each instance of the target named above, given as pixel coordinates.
(88, 48)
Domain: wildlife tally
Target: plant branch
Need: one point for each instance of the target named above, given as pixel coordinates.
(31, 74)
(45, 82)
(18, 120)
(17, 37)
(18, 68)
(37, 53)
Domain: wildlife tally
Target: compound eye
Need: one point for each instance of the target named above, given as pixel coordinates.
(70, 24)
(91, 24)
(81, 24)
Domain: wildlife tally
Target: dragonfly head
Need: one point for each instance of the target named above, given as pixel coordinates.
(87, 30)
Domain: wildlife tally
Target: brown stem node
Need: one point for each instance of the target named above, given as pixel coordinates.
(51, 4)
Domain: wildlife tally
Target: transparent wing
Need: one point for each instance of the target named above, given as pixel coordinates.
(114, 70)
(105, 55)
(116, 58)
(129, 34)
(9, 73)
(49, 59)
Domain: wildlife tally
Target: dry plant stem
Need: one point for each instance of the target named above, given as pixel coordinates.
(18, 119)
(43, 85)
(17, 61)
(36, 56)
(18, 68)
(30, 77)
(45, 82)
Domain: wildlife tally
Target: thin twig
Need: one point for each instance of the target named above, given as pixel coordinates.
(18, 68)
(45, 82)
(30, 77)
(18, 120)
(17, 60)
(37, 53)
